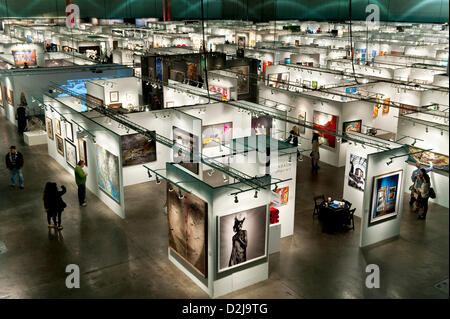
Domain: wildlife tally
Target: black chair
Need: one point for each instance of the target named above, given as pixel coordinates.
(318, 200)
(351, 217)
(347, 203)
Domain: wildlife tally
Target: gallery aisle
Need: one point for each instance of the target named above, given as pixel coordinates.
(128, 258)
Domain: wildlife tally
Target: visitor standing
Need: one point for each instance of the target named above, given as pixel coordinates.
(294, 134)
(80, 179)
(21, 114)
(54, 204)
(417, 182)
(315, 155)
(424, 191)
(14, 163)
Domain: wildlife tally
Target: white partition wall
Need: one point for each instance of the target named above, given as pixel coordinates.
(105, 139)
(375, 227)
(221, 279)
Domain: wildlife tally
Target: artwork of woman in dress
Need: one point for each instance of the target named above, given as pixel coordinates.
(239, 242)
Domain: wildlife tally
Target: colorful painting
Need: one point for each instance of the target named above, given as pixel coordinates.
(261, 125)
(24, 56)
(242, 238)
(49, 125)
(279, 80)
(187, 221)
(71, 154)
(59, 145)
(274, 215)
(314, 84)
(217, 134)
(284, 193)
(185, 146)
(357, 172)
(108, 173)
(326, 123)
(440, 161)
(386, 105)
(243, 85)
(82, 151)
(351, 126)
(137, 149)
(384, 205)
(224, 91)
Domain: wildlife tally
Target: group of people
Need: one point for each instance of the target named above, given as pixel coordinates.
(420, 190)
(294, 134)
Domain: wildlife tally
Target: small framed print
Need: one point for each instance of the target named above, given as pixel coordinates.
(49, 126)
(82, 151)
(114, 96)
(58, 127)
(69, 131)
(71, 154)
(60, 145)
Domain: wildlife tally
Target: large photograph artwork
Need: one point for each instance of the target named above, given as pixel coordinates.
(185, 146)
(357, 173)
(242, 238)
(137, 149)
(108, 173)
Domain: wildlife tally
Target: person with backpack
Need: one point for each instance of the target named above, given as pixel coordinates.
(54, 204)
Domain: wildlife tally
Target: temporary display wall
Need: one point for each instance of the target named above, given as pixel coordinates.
(383, 193)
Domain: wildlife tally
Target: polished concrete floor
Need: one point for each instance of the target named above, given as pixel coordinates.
(128, 258)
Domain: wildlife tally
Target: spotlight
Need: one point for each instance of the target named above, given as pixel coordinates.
(290, 159)
(180, 195)
(256, 194)
(158, 181)
(211, 172)
(149, 174)
(426, 129)
(170, 188)
(414, 143)
(236, 199)
(442, 133)
(389, 163)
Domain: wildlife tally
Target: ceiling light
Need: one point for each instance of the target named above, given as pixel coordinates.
(170, 188)
(158, 181)
(180, 195)
(149, 174)
(236, 199)
(256, 194)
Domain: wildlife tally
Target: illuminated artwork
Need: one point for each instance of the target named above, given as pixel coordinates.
(108, 173)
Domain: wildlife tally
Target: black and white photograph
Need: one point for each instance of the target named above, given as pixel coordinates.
(357, 172)
(242, 237)
(185, 146)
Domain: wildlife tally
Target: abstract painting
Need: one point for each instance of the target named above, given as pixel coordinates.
(440, 161)
(137, 149)
(351, 126)
(326, 123)
(24, 56)
(187, 220)
(242, 238)
(49, 125)
(217, 134)
(261, 125)
(185, 146)
(386, 105)
(284, 194)
(243, 78)
(357, 172)
(384, 205)
(71, 154)
(82, 151)
(274, 215)
(108, 173)
(59, 145)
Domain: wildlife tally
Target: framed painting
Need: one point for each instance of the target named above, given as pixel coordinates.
(242, 238)
(69, 131)
(386, 105)
(357, 172)
(217, 134)
(385, 199)
(242, 72)
(58, 127)
(327, 124)
(114, 96)
(49, 126)
(284, 194)
(137, 149)
(60, 145)
(187, 221)
(351, 126)
(262, 125)
(71, 154)
(82, 151)
(440, 161)
(108, 178)
(185, 142)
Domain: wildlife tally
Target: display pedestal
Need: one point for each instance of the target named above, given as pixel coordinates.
(35, 138)
(274, 238)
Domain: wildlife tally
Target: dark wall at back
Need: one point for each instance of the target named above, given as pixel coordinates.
(253, 10)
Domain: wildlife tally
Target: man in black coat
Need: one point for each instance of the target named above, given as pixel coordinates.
(14, 163)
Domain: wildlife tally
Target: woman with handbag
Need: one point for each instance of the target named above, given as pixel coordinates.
(424, 192)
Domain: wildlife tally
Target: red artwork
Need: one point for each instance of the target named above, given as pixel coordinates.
(274, 215)
(326, 123)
